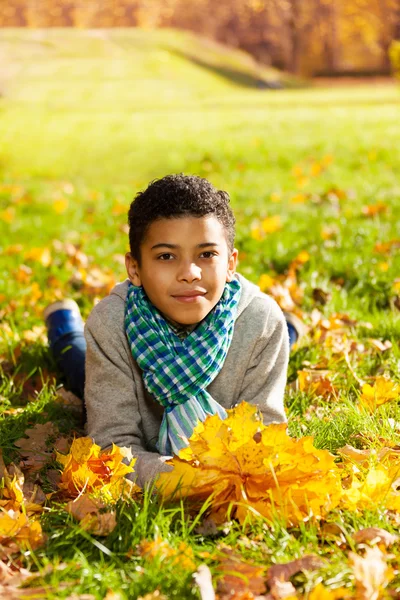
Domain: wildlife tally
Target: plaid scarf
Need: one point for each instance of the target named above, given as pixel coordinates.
(176, 372)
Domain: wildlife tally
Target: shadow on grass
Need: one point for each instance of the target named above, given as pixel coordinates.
(237, 76)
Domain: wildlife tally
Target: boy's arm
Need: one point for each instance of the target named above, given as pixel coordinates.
(265, 379)
(111, 399)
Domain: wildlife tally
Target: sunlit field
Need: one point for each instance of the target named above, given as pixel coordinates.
(87, 119)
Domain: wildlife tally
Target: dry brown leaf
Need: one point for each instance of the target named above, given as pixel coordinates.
(375, 535)
(282, 589)
(62, 444)
(84, 505)
(239, 577)
(381, 346)
(11, 576)
(54, 478)
(207, 527)
(87, 510)
(371, 572)
(283, 572)
(363, 457)
(35, 442)
(100, 523)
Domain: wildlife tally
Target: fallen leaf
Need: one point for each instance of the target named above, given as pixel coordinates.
(372, 210)
(322, 593)
(283, 572)
(88, 468)
(375, 535)
(239, 577)
(371, 573)
(321, 296)
(252, 476)
(17, 527)
(40, 255)
(316, 382)
(62, 444)
(203, 580)
(282, 589)
(36, 441)
(182, 556)
(381, 346)
(156, 595)
(84, 505)
(100, 523)
(381, 392)
(271, 224)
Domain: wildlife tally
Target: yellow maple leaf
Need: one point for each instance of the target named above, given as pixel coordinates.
(60, 205)
(159, 548)
(257, 468)
(381, 392)
(16, 526)
(271, 224)
(88, 468)
(322, 593)
(40, 255)
(374, 487)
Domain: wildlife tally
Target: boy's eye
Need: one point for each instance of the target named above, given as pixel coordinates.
(165, 256)
(208, 254)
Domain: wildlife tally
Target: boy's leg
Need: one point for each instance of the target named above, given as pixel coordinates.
(296, 328)
(67, 343)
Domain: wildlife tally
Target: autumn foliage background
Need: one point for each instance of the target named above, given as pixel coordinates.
(98, 98)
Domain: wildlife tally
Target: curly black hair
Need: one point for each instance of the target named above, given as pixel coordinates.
(177, 196)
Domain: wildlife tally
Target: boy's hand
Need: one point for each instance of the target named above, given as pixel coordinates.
(165, 458)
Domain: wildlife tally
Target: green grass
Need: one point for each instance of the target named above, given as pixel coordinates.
(88, 119)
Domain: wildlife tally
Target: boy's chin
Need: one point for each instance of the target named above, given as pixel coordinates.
(185, 320)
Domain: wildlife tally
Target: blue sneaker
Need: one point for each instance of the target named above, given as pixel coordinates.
(296, 328)
(61, 318)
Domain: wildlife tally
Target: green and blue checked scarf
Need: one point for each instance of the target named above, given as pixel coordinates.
(176, 372)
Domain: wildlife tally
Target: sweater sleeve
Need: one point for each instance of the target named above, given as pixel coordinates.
(112, 410)
(265, 378)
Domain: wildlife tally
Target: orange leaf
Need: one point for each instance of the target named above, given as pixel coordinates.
(381, 392)
(374, 209)
(88, 468)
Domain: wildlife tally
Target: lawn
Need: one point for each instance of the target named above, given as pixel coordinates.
(87, 119)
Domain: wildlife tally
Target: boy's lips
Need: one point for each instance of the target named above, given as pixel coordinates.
(189, 296)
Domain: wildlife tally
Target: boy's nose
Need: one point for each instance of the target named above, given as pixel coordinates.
(189, 272)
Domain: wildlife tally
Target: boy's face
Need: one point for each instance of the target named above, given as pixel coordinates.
(185, 263)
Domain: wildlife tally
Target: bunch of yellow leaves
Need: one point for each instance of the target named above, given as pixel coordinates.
(255, 468)
(89, 469)
(381, 392)
(16, 527)
(374, 486)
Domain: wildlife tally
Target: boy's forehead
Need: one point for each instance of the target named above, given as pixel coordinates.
(186, 229)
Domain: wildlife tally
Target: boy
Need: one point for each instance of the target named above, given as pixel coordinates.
(184, 336)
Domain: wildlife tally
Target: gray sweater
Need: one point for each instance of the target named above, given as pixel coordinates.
(121, 411)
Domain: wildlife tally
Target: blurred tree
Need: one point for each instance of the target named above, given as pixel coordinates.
(301, 36)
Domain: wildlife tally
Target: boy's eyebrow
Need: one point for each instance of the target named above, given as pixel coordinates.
(165, 245)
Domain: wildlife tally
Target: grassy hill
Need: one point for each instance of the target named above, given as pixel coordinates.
(127, 105)
(65, 67)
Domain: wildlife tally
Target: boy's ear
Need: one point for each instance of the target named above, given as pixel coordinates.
(132, 268)
(232, 263)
